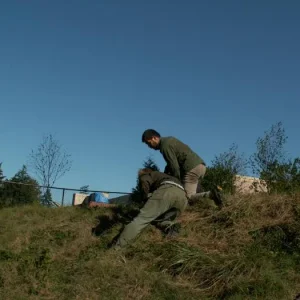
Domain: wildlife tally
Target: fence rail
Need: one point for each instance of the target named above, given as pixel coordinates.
(64, 189)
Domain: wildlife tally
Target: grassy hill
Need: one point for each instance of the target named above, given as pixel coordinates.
(248, 250)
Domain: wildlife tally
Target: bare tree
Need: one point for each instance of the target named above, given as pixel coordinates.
(49, 161)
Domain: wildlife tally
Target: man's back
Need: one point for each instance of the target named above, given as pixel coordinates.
(151, 181)
(182, 162)
(180, 157)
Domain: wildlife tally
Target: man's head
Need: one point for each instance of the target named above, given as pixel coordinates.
(151, 138)
(144, 171)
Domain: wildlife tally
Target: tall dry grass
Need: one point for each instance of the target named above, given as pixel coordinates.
(248, 250)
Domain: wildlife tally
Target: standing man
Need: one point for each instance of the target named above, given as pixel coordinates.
(165, 200)
(182, 163)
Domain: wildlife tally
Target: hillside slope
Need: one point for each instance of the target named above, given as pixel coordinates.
(248, 250)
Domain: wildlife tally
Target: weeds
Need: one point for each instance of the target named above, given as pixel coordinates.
(248, 250)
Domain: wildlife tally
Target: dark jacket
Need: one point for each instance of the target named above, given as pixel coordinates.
(151, 181)
(180, 158)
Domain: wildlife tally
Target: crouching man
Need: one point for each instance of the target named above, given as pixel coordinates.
(165, 200)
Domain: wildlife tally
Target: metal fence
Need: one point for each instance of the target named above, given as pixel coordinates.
(63, 196)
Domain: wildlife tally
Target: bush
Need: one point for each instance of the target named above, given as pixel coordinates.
(223, 170)
(20, 189)
(271, 164)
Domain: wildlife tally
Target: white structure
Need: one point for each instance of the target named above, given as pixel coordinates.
(79, 198)
(243, 185)
(249, 185)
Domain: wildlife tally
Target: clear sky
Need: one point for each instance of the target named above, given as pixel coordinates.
(98, 73)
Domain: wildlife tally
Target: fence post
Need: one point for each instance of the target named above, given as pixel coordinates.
(63, 197)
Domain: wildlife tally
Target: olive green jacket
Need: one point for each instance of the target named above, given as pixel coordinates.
(180, 158)
(152, 181)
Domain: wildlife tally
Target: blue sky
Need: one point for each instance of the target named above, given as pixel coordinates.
(98, 73)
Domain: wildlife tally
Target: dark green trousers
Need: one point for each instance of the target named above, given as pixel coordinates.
(165, 198)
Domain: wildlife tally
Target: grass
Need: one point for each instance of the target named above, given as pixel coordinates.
(248, 250)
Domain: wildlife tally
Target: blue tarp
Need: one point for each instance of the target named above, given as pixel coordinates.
(98, 197)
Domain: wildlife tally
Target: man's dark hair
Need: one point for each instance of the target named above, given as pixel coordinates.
(145, 171)
(148, 134)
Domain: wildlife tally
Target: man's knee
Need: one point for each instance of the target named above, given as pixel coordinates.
(190, 189)
(169, 215)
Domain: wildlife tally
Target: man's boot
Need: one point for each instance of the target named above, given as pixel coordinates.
(172, 231)
(216, 195)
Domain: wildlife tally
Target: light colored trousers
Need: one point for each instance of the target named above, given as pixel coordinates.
(190, 182)
(163, 199)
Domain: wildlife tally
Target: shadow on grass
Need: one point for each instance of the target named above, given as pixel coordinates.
(124, 215)
(119, 215)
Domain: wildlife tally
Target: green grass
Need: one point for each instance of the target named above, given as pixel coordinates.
(248, 250)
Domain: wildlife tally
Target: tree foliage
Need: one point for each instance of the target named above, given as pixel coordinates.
(46, 198)
(223, 170)
(2, 177)
(269, 150)
(84, 189)
(271, 163)
(20, 189)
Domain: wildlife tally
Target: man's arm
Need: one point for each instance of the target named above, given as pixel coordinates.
(172, 163)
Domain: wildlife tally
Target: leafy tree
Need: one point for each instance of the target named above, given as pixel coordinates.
(150, 164)
(223, 170)
(270, 150)
(84, 189)
(21, 189)
(1, 174)
(283, 177)
(46, 198)
(2, 177)
(271, 164)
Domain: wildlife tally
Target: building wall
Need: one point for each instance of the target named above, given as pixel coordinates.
(249, 185)
(78, 198)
